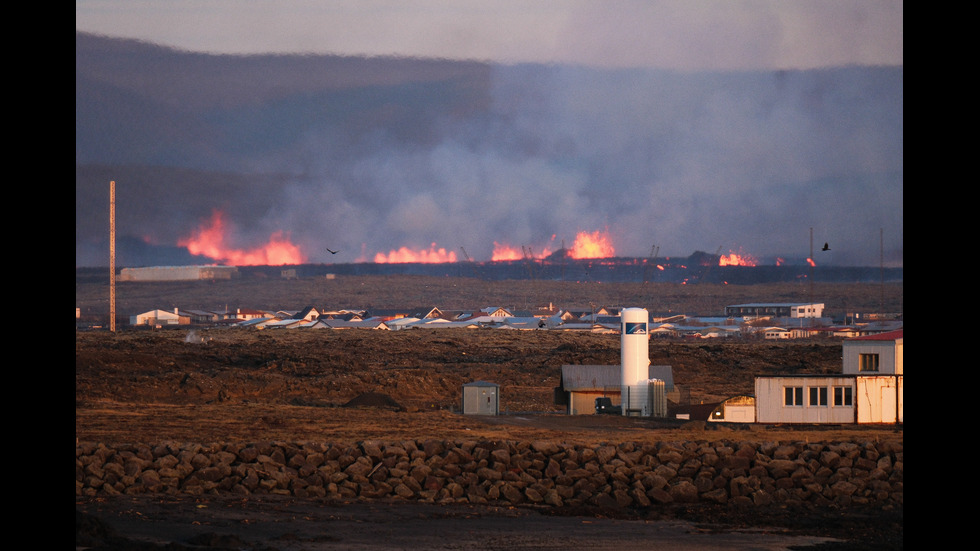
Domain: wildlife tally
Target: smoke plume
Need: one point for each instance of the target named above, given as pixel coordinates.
(354, 159)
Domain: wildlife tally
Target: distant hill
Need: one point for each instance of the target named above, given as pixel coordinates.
(369, 155)
(138, 103)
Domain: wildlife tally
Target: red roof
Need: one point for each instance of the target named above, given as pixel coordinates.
(887, 336)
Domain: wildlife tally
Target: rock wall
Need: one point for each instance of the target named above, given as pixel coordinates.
(506, 472)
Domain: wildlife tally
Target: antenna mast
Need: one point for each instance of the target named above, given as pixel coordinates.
(881, 269)
(810, 262)
(112, 256)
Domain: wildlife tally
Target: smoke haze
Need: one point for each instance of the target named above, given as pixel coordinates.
(369, 155)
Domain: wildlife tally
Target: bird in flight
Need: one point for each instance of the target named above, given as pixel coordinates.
(335, 252)
(826, 247)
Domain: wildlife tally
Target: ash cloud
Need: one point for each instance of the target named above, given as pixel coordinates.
(370, 155)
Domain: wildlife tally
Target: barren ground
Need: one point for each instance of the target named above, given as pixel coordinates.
(216, 385)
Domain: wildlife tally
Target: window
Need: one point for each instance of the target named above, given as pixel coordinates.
(818, 396)
(793, 396)
(867, 362)
(843, 396)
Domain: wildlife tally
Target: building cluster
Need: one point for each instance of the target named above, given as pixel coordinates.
(756, 320)
(869, 388)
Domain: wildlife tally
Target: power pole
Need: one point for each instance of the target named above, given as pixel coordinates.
(810, 278)
(881, 261)
(112, 256)
(469, 261)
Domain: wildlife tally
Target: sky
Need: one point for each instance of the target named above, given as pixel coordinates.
(668, 34)
(704, 117)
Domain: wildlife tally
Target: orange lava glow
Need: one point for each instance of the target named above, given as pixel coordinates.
(503, 252)
(209, 241)
(404, 254)
(592, 245)
(733, 259)
(811, 262)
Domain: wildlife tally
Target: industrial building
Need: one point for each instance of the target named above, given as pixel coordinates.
(580, 385)
(775, 310)
(638, 388)
(178, 273)
(869, 390)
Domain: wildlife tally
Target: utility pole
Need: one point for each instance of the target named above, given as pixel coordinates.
(881, 269)
(112, 256)
(810, 262)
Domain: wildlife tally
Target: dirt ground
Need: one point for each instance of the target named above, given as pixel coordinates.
(211, 385)
(217, 385)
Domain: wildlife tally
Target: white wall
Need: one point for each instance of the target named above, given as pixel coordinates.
(880, 399)
(739, 414)
(770, 408)
(814, 310)
(889, 356)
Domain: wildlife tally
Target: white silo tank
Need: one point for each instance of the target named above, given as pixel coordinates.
(635, 339)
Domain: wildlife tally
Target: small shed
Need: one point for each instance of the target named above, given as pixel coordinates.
(737, 409)
(481, 398)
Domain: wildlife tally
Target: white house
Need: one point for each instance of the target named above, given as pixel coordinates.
(286, 323)
(877, 363)
(496, 312)
(776, 333)
(345, 324)
(805, 399)
(159, 318)
(879, 354)
(869, 390)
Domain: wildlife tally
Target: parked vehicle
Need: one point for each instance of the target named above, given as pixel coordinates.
(604, 405)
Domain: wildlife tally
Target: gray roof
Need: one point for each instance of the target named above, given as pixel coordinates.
(481, 383)
(600, 377)
(591, 377)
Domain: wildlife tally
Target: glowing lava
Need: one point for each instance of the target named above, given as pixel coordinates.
(432, 255)
(596, 244)
(209, 241)
(503, 252)
(733, 259)
(592, 245)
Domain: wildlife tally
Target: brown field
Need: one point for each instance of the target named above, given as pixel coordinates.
(246, 384)
(215, 385)
(136, 386)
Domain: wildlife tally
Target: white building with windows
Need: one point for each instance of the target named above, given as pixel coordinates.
(776, 310)
(159, 318)
(870, 389)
